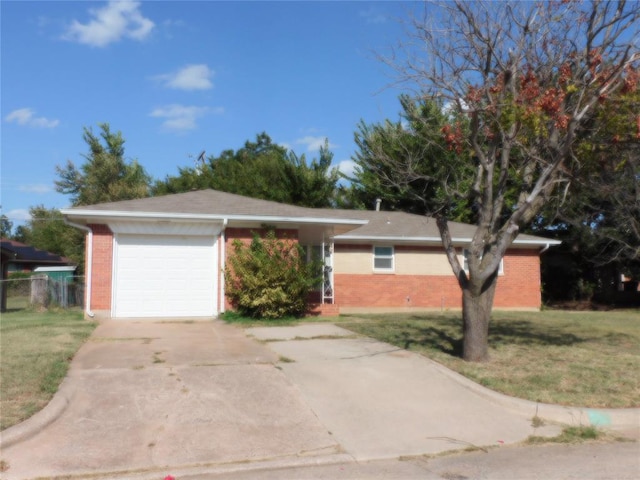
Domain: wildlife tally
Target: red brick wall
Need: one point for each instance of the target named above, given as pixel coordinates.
(519, 287)
(389, 290)
(101, 267)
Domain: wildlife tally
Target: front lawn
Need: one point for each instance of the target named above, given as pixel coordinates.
(35, 351)
(589, 359)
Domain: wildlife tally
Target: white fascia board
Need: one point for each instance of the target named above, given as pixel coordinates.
(305, 220)
(541, 242)
(457, 240)
(384, 238)
(103, 215)
(56, 269)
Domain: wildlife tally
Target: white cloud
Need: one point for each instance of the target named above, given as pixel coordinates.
(18, 214)
(313, 143)
(118, 19)
(35, 188)
(451, 107)
(346, 167)
(191, 77)
(26, 117)
(180, 118)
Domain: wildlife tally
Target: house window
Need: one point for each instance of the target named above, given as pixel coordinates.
(383, 259)
(466, 254)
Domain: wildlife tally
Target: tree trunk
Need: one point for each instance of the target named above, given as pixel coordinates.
(476, 314)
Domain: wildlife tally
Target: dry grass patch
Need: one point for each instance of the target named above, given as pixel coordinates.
(36, 349)
(570, 358)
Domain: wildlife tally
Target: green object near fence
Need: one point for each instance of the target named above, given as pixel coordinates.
(58, 274)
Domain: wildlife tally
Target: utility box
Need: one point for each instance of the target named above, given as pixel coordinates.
(53, 285)
(59, 273)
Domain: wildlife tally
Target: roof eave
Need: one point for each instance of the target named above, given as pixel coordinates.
(542, 242)
(104, 216)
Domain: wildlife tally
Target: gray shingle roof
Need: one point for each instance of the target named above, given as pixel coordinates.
(18, 252)
(379, 224)
(203, 202)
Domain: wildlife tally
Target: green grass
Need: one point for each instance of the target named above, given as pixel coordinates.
(571, 434)
(589, 359)
(35, 351)
(18, 303)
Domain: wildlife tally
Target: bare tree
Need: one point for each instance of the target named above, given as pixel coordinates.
(521, 80)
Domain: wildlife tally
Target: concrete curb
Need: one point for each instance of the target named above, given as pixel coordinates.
(607, 418)
(257, 465)
(39, 421)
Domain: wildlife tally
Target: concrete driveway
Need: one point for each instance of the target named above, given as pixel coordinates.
(143, 395)
(382, 402)
(145, 399)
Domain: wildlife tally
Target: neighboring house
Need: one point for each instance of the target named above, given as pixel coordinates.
(18, 257)
(164, 256)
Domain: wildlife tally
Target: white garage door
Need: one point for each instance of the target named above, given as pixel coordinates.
(164, 276)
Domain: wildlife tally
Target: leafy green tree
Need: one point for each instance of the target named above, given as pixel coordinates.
(105, 176)
(47, 231)
(401, 162)
(264, 170)
(528, 77)
(21, 233)
(6, 226)
(269, 278)
(602, 204)
(598, 218)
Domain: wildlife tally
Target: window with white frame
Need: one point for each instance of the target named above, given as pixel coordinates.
(466, 254)
(382, 259)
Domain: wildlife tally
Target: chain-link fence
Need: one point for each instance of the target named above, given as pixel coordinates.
(42, 291)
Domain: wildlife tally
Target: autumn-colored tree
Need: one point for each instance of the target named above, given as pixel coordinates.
(529, 77)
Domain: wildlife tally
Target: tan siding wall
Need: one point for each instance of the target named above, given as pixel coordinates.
(421, 262)
(353, 261)
(358, 259)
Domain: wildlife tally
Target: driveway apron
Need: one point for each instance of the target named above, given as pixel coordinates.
(380, 401)
(146, 395)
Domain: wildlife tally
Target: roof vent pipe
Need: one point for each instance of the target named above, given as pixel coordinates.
(378, 203)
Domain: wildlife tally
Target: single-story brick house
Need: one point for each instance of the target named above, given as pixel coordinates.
(164, 256)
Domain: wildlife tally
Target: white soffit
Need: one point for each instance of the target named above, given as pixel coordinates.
(166, 228)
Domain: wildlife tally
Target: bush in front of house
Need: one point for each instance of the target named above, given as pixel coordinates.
(269, 277)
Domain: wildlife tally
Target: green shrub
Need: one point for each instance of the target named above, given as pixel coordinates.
(269, 278)
(19, 275)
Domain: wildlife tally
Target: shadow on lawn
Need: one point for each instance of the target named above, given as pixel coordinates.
(432, 337)
(522, 332)
(445, 334)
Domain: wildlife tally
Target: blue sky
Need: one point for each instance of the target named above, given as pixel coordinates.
(177, 78)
